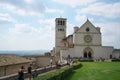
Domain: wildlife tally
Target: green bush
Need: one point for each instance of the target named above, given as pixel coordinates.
(115, 60)
(86, 60)
(58, 74)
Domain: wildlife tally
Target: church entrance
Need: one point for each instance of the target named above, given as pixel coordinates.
(88, 53)
(85, 55)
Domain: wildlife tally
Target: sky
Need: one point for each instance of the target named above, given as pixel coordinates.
(30, 24)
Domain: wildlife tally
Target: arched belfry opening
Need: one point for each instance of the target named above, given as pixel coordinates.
(88, 53)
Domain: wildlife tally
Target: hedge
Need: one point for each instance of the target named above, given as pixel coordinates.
(58, 74)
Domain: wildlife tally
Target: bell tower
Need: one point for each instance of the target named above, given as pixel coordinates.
(60, 32)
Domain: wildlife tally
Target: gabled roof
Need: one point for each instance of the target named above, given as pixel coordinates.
(88, 24)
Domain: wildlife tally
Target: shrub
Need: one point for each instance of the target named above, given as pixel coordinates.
(58, 74)
(115, 60)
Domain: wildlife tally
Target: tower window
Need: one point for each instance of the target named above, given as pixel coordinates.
(60, 29)
(58, 22)
(61, 22)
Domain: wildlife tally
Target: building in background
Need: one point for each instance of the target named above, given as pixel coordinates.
(10, 64)
(84, 43)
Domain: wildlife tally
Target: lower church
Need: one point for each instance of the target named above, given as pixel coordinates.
(85, 42)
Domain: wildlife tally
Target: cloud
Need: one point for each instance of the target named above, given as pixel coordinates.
(6, 18)
(25, 36)
(110, 10)
(48, 23)
(110, 33)
(22, 7)
(80, 18)
(48, 10)
(21, 29)
(70, 29)
(74, 3)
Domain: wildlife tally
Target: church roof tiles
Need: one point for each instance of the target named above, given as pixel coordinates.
(9, 59)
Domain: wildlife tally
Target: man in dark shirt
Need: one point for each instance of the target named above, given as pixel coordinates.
(30, 72)
(21, 73)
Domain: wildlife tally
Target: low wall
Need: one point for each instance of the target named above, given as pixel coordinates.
(11, 69)
(39, 71)
(43, 60)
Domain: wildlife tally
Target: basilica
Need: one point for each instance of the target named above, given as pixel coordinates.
(85, 42)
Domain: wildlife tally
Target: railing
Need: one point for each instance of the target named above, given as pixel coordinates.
(39, 71)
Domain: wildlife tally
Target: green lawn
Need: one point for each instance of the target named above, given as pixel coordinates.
(96, 71)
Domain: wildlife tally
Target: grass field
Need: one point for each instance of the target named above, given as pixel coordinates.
(96, 71)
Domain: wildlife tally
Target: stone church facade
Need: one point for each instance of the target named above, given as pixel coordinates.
(85, 42)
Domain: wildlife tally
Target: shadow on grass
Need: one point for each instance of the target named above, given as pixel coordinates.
(73, 71)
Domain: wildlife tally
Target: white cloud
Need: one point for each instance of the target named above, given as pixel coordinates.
(80, 18)
(23, 7)
(110, 33)
(70, 29)
(6, 18)
(25, 36)
(110, 10)
(74, 3)
(20, 29)
(29, 1)
(49, 23)
(48, 10)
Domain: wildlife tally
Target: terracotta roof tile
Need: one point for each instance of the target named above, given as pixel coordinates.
(8, 59)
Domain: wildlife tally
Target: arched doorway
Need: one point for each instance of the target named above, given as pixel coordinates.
(110, 56)
(85, 55)
(88, 53)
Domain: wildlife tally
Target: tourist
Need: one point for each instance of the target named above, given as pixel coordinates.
(29, 72)
(56, 64)
(59, 65)
(21, 73)
(51, 62)
(34, 74)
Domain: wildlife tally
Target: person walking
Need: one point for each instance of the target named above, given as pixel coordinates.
(29, 72)
(21, 73)
(34, 74)
(51, 62)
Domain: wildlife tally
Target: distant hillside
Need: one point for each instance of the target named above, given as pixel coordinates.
(24, 52)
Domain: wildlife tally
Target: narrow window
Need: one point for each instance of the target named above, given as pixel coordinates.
(63, 22)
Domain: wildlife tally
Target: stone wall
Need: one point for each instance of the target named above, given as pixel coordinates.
(39, 71)
(12, 69)
(40, 60)
(44, 61)
(2, 72)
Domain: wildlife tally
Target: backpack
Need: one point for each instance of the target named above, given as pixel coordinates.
(20, 75)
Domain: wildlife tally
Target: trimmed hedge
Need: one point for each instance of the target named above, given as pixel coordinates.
(58, 74)
(86, 60)
(115, 60)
